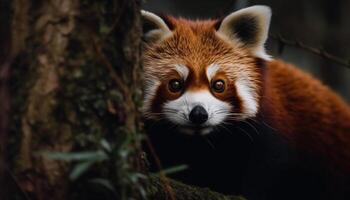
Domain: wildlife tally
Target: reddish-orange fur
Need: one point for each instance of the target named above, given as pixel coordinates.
(309, 114)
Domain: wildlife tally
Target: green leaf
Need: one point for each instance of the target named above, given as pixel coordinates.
(134, 177)
(77, 156)
(106, 145)
(175, 169)
(79, 169)
(104, 182)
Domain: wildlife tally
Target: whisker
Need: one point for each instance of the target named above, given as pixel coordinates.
(246, 133)
(252, 126)
(226, 129)
(156, 122)
(209, 142)
(268, 125)
(187, 105)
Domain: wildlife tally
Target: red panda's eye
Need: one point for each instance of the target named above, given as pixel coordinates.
(175, 85)
(218, 86)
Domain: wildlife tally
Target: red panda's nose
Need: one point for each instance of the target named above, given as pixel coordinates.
(198, 115)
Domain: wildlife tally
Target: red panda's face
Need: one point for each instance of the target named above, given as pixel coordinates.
(197, 75)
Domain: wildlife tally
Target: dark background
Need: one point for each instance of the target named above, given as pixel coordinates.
(322, 24)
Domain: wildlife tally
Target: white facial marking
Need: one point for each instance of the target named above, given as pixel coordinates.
(250, 105)
(150, 90)
(182, 70)
(211, 71)
(178, 110)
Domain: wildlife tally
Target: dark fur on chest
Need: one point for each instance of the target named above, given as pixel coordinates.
(243, 158)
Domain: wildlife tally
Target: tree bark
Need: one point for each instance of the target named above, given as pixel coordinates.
(4, 75)
(75, 70)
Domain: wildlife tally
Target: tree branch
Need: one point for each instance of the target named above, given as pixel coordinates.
(158, 191)
(282, 41)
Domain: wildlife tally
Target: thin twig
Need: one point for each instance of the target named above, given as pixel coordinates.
(320, 52)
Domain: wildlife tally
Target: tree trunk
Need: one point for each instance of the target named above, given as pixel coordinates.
(75, 79)
(70, 75)
(4, 97)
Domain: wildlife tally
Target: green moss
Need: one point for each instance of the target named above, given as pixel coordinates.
(158, 189)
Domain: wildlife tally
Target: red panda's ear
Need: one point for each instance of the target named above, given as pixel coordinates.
(248, 26)
(154, 28)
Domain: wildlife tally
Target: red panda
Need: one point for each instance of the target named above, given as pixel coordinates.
(277, 132)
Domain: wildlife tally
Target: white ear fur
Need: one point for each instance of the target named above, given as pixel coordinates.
(249, 26)
(154, 27)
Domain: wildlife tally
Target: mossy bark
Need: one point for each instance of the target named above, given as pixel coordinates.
(5, 38)
(75, 78)
(162, 189)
